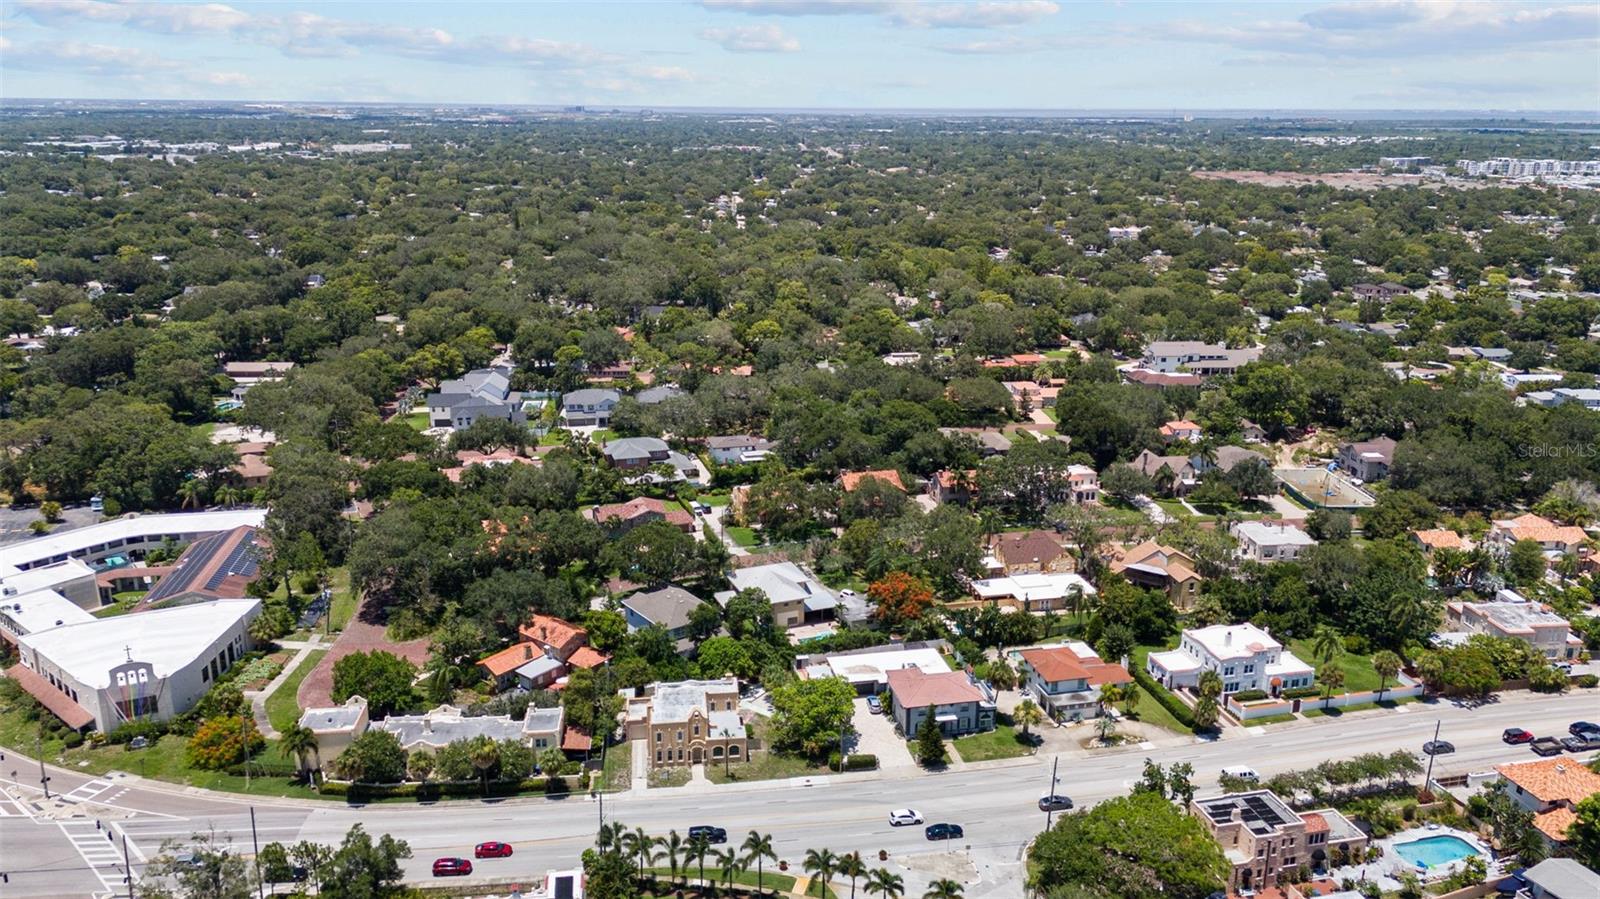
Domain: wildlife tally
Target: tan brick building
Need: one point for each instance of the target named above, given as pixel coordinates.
(690, 722)
(1263, 838)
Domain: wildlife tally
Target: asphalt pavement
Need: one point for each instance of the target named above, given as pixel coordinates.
(47, 854)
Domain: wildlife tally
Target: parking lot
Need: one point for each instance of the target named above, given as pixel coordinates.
(14, 521)
(875, 734)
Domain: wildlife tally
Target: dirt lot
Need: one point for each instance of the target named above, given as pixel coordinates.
(360, 635)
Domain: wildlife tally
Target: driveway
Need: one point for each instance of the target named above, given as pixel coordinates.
(875, 734)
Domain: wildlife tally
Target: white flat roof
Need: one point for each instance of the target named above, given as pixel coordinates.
(874, 666)
(1032, 586)
(1233, 641)
(28, 552)
(1175, 661)
(168, 639)
(1273, 534)
(45, 576)
(42, 610)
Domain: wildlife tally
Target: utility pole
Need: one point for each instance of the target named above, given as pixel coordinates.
(38, 750)
(256, 845)
(1050, 808)
(127, 864)
(1429, 778)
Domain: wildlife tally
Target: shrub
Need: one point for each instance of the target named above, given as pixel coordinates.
(1587, 681)
(139, 727)
(1303, 693)
(220, 742)
(1249, 695)
(72, 740)
(861, 761)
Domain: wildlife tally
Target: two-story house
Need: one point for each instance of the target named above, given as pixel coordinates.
(1065, 680)
(636, 453)
(1180, 431)
(619, 518)
(1160, 567)
(1028, 552)
(797, 598)
(733, 449)
(1197, 357)
(482, 393)
(669, 607)
(1176, 475)
(1083, 484)
(1368, 460)
(1555, 539)
(954, 701)
(591, 406)
(952, 486)
(1243, 655)
(1530, 622)
(1550, 789)
(1263, 542)
(1264, 839)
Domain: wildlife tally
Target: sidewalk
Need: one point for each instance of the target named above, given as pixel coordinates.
(258, 698)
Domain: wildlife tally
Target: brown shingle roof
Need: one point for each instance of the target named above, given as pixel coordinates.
(1027, 546)
(60, 704)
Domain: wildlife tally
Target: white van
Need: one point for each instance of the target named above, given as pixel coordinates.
(1242, 772)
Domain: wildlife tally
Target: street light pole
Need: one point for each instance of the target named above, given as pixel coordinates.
(1429, 778)
(38, 750)
(1050, 809)
(255, 843)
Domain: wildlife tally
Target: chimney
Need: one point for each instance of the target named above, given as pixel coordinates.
(427, 724)
(527, 651)
(1227, 637)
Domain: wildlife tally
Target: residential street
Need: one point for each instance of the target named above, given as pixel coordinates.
(46, 856)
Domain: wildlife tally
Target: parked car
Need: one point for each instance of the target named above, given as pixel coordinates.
(847, 592)
(1242, 772)
(1579, 728)
(492, 849)
(451, 867)
(903, 816)
(1515, 736)
(874, 705)
(1438, 747)
(944, 832)
(708, 833)
(1055, 803)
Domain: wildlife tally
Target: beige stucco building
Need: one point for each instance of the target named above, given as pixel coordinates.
(690, 722)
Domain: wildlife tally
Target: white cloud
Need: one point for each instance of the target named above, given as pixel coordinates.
(1397, 29)
(752, 39)
(909, 13)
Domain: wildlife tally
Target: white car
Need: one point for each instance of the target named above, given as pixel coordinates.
(903, 816)
(847, 592)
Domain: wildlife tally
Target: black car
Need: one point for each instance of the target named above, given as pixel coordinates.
(1581, 728)
(944, 832)
(1055, 803)
(1438, 747)
(708, 833)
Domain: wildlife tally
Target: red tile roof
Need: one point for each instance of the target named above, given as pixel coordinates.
(587, 657)
(640, 506)
(552, 631)
(511, 658)
(915, 689)
(60, 704)
(575, 740)
(1056, 664)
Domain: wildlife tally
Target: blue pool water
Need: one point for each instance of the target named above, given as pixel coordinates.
(1430, 852)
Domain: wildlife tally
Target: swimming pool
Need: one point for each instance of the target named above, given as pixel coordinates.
(1431, 852)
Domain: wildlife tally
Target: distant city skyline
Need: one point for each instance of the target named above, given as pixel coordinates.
(1001, 55)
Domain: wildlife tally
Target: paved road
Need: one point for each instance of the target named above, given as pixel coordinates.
(993, 801)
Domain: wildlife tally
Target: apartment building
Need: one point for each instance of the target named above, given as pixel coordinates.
(690, 722)
(1529, 622)
(1264, 839)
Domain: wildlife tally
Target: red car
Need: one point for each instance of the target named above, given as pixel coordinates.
(451, 867)
(1515, 736)
(492, 849)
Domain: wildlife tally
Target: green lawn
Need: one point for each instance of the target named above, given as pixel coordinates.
(1270, 719)
(344, 599)
(417, 420)
(668, 777)
(1004, 742)
(124, 603)
(1174, 508)
(1150, 711)
(745, 537)
(283, 710)
(770, 879)
(764, 765)
(619, 767)
(1358, 673)
(1308, 711)
(715, 500)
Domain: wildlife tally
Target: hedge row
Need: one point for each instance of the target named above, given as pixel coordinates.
(861, 761)
(1173, 704)
(1249, 695)
(428, 792)
(1303, 693)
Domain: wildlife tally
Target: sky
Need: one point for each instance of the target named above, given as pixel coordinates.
(787, 54)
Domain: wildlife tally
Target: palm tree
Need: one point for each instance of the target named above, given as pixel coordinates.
(192, 491)
(1129, 698)
(1206, 712)
(1408, 615)
(758, 848)
(228, 496)
(1332, 678)
(300, 742)
(728, 862)
(943, 888)
(675, 850)
(887, 883)
(1387, 664)
(485, 756)
(1325, 644)
(851, 866)
(821, 862)
(640, 844)
(610, 836)
(1027, 713)
(699, 848)
(1210, 685)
